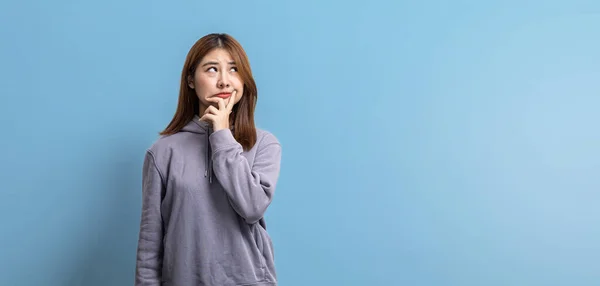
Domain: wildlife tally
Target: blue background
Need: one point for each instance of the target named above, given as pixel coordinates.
(425, 142)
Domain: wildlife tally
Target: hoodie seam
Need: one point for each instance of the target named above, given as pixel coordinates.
(162, 178)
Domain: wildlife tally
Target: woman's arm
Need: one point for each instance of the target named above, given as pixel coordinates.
(149, 251)
(250, 188)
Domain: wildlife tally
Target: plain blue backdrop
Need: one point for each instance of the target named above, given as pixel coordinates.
(442, 143)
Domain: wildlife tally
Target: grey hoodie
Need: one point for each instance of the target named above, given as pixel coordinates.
(203, 203)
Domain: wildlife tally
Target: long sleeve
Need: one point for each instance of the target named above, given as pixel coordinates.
(249, 188)
(150, 248)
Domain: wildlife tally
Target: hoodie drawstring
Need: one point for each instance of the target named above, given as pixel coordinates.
(208, 172)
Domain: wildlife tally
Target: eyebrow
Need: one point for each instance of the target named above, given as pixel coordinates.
(215, 63)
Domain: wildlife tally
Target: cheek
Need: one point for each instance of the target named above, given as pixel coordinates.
(240, 88)
(202, 85)
(240, 93)
(237, 83)
(239, 98)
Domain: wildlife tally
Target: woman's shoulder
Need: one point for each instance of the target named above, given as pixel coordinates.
(266, 139)
(264, 136)
(166, 144)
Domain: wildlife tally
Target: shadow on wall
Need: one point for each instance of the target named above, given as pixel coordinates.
(108, 256)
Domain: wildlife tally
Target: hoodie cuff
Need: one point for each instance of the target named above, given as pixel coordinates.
(222, 139)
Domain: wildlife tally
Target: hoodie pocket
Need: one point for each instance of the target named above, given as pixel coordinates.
(265, 246)
(259, 243)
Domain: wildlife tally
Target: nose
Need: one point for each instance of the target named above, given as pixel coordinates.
(223, 81)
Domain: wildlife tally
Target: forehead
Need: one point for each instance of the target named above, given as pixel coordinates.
(218, 55)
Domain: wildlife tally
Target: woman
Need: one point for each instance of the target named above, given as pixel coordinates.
(209, 179)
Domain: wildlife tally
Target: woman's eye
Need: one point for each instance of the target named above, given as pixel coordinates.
(214, 69)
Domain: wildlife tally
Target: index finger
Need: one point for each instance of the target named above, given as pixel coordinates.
(232, 100)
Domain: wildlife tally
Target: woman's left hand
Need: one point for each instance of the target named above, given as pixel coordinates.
(219, 117)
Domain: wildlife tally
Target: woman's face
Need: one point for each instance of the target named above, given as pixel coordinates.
(216, 76)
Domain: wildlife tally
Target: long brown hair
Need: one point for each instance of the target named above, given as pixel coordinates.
(242, 117)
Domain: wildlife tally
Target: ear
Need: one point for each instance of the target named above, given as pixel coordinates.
(190, 81)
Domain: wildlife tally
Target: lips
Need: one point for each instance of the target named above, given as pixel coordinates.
(223, 95)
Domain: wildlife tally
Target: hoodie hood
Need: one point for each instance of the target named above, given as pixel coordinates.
(202, 127)
(197, 126)
(205, 128)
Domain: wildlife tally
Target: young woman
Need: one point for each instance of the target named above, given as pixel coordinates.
(209, 179)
